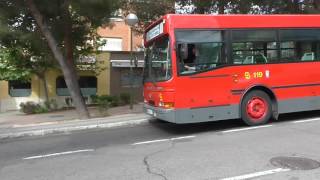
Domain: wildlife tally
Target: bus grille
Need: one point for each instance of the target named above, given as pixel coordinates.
(152, 103)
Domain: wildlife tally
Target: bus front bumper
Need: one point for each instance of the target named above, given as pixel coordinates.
(160, 113)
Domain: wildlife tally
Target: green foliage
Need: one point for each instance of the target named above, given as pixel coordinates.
(10, 69)
(51, 105)
(24, 50)
(250, 6)
(111, 101)
(114, 101)
(147, 10)
(106, 100)
(103, 103)
(40, 110)
(94, 99)
(125, 98)
(28, 107)
(32, 108)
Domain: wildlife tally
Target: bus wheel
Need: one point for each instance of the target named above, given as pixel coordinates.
(256, 108)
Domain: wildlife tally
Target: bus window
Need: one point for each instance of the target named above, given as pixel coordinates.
(254, 52)
(299, 51)
(158, 61)
(254, 46)
(199, 50)
(200, 57)
(299, 45)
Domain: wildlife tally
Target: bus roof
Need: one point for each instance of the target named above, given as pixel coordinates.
(243, 21)
(232, 21)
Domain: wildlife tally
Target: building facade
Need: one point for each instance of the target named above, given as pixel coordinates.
(112, 61)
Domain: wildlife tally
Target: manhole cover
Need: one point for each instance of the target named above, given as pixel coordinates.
(295, 163)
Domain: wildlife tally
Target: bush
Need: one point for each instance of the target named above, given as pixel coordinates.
(114, 101)
(125, 98)
(51, 104)
(28, 107)
(103, 104)
(40, 109)
(94, 99)
(32, 108)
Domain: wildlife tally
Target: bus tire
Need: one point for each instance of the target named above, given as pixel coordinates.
(256, 108)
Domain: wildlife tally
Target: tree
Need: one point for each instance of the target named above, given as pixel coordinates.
(23, 54)
(311, 6)
(65, 25)
(147, 10)
(213, 6)
(10, 69)
(18, 64)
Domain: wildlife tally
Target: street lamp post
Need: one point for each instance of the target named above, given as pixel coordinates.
(131, 20)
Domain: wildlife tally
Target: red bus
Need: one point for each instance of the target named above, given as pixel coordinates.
(215, 67)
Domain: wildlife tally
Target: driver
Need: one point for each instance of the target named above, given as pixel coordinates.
(189, 62)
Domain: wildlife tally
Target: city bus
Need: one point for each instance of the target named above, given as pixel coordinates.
(201, 68)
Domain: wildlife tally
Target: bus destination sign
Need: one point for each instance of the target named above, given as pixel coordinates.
(154, 32)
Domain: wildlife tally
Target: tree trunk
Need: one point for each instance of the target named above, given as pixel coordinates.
(67, 69)
(66, 18)
(42, 75)
(45, 86)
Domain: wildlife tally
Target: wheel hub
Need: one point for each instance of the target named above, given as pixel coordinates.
(257, 108)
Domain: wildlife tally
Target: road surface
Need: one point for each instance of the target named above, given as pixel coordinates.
(219, 150)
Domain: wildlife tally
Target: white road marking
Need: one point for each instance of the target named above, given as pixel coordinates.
(257, 174)
(246, 129)
(307, 120)
(162, 140)
(58, 154)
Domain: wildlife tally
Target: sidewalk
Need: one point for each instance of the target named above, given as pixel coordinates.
(16, 124)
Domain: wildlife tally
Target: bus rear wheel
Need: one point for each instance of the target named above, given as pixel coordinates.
(256, 108)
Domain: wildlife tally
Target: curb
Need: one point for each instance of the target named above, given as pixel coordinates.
(75, 121)
(57, 130)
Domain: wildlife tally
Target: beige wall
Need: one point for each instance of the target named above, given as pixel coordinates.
(8, 103)
(104, 76)
(37, 89)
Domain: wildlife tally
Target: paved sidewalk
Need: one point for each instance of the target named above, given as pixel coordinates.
(16, 124)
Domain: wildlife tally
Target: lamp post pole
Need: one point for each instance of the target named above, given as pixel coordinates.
(131, 70)
(131, 20)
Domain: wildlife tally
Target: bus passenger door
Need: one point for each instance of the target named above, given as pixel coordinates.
(205, 96)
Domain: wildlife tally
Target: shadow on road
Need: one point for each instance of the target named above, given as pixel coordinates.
(187, 129)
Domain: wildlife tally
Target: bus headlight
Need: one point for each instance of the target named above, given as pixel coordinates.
(166, 105)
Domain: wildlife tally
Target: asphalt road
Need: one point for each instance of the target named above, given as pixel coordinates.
(159, 150)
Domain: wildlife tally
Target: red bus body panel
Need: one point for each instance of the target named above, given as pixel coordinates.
(296, 86)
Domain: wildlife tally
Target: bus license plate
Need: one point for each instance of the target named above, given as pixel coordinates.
(150, 111)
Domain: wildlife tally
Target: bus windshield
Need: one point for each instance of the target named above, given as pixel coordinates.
(158, 61)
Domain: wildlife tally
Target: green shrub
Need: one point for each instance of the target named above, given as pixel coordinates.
(114, 101)
(51, 105)
(125, 98)
(32, 108)
(103, 104)
(94, 99)
(40, 109)
(111, 101)
(28, 107)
